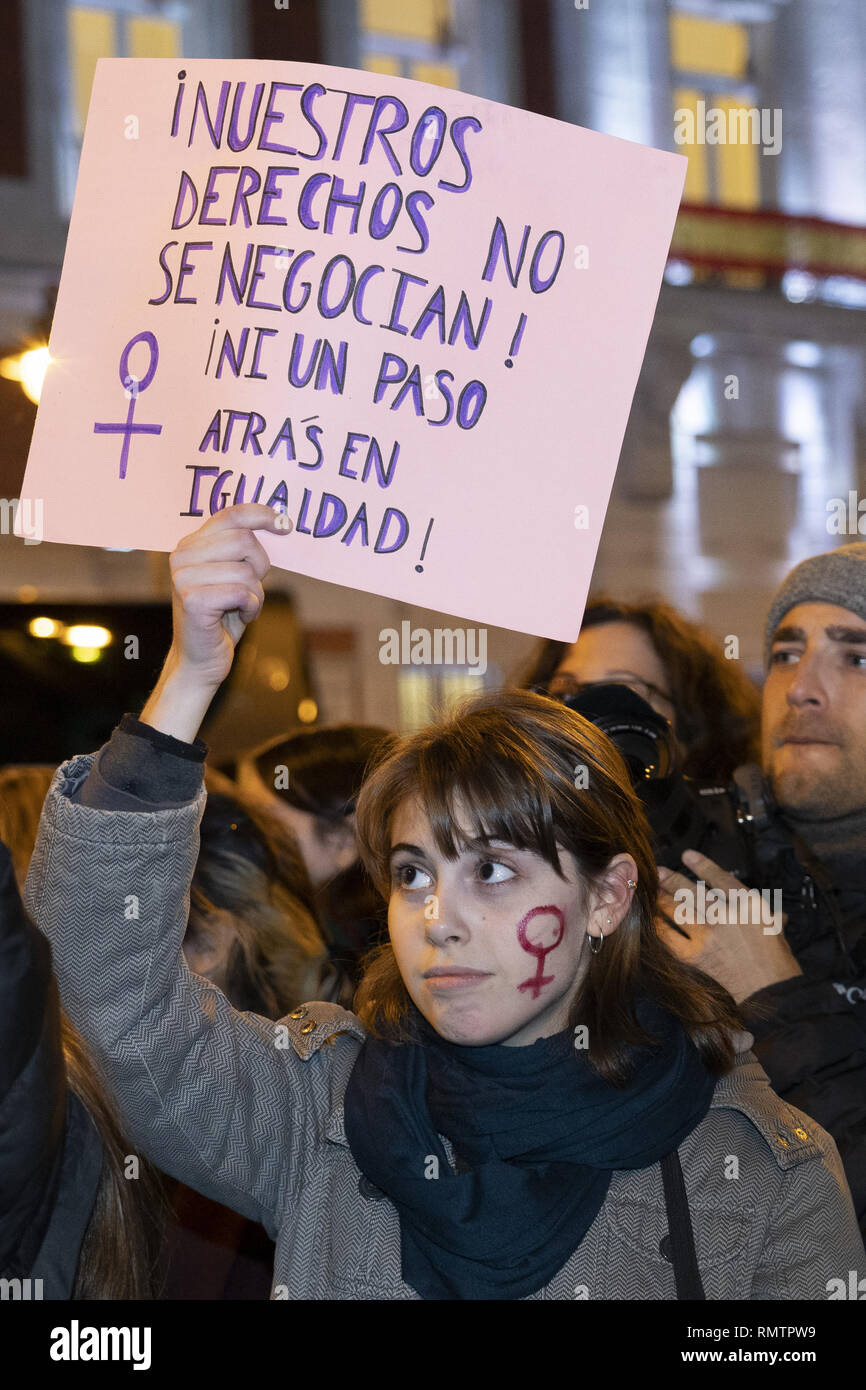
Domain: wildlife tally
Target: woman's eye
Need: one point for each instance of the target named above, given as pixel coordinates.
(501, 871)
(857, 657)
(404, 876)
(781, 658)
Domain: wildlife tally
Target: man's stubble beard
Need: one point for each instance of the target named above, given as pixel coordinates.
(803, 795)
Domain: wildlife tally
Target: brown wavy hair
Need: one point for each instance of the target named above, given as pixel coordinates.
(23, 789)
(249, 877)
(718, 709)
(120, 1250)
(510, 758)
(118, 1256)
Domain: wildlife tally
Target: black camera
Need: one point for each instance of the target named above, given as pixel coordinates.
(719, 821)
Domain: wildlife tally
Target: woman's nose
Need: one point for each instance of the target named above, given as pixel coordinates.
(345, 857)
(442, 922)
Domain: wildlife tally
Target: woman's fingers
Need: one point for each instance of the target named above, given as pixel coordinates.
(208, 603)
(230, 536)
(671, 882)
(709, 871)
(209, 574)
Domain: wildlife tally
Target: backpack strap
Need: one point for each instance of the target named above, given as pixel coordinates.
(683, 1256)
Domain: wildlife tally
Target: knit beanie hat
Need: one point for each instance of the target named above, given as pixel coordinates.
(838, 576)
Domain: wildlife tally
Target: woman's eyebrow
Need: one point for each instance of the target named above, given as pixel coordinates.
(487, 842)
(468, 846)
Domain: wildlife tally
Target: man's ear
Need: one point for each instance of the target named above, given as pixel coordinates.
(612, 895)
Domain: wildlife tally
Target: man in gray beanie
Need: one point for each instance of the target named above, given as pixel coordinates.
(814, 707)
(803, 993)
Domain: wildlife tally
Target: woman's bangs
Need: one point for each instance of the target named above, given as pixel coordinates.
(466, 799)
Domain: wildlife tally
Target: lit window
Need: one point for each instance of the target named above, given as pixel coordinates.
(457, 686)
(414, 700)
(92, 35)
(382, 62)
(712, 98)
(422, 19)
(416, 40)
(106, 31)
(708, 45)
(152, 38)
(440, 74)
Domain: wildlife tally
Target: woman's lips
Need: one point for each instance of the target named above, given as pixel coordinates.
(808, 743)
(446, 977)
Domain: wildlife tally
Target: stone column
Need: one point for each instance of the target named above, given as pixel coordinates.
(819, 80)
(612, 68)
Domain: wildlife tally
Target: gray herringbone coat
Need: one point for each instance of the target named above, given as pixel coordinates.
(249, 1112)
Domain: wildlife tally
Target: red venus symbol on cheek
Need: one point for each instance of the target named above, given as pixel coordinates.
(536, 948)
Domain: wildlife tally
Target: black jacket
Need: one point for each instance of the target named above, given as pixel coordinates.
(810, 1031)
(50, 1152)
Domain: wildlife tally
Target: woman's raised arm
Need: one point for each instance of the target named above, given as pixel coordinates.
(213, 1096)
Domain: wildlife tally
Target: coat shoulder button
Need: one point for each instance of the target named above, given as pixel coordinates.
(368, 1190)
(299, 1013)
(308, 1027)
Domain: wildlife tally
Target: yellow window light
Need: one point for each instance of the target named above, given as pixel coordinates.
(383, 63)
(708, 45)
(85, 654)
(42, 627)
(92, 34)
(307, 711)
(87, 637)
(29, 368)
(440, 74)
(152, 38)
(423, 19)
(697, 176)
(739, 180)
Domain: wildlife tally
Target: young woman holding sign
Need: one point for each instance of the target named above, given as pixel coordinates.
(534, 1099)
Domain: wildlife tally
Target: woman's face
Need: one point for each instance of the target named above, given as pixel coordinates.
(208, 943)
(491, 945)
(327, 847)
(621, 653)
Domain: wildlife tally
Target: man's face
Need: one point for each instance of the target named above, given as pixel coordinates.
(813, 723)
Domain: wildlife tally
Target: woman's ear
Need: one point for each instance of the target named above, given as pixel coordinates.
(611, 897)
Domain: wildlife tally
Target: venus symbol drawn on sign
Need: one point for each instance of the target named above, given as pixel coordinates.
(537, 947)
(133, 387)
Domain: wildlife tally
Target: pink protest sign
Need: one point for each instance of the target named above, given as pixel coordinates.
(413, 317)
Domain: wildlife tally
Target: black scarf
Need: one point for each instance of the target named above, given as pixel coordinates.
(537, 1134)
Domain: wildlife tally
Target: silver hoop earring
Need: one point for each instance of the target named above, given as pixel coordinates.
(600, 939)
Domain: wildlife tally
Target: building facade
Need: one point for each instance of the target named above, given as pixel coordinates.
(749, 419)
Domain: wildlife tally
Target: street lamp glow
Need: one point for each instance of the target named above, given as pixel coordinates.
(85, 636)
(29, 368)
